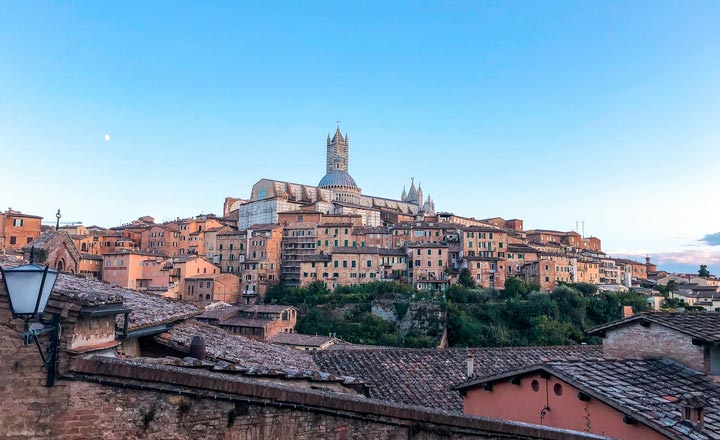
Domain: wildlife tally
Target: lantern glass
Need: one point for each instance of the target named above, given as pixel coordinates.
(24, 284)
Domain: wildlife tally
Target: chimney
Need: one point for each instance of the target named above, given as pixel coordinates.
(627, 312)
(197, 348)
(470, 366)
(692, 408)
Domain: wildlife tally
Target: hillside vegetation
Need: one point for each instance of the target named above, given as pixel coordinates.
(516, 316)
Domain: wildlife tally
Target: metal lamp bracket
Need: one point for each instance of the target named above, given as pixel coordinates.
(50, 354)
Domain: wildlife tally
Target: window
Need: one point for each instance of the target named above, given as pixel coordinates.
(17, 222)
(352, 263)
(439, 262)
(429, 251)
(369, 263)
(13, 240)
(344, 263)
(335, 263)
(429, 263)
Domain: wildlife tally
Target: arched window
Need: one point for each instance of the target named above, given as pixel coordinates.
(207, 297)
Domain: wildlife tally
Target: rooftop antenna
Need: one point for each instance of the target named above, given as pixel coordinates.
(577, 226)
(57, 224)
(583, 228)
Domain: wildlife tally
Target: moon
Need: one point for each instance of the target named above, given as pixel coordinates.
(107, 137)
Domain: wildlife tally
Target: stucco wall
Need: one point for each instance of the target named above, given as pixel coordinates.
(521, 403)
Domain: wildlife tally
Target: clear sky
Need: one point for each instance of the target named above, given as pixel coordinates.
(549, 111)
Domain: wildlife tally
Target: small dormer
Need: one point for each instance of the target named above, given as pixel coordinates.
(692, 410)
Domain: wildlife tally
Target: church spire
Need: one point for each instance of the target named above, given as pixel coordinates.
(337, 152)
(403, 197)
(412, 195)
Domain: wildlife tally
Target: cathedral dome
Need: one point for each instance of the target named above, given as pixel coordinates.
(337, 178)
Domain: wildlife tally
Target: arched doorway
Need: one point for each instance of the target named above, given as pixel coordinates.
(60, 266)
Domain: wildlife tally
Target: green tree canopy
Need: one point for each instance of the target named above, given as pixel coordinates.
(703, 272)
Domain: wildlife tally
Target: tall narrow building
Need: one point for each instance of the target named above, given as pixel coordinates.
(337, 152)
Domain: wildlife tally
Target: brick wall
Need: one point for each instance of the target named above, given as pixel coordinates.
(633, 341)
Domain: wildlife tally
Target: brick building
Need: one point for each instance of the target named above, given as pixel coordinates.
(206, 288)
(262, 260)
(230, 248)
(17, 229)
(260, 322)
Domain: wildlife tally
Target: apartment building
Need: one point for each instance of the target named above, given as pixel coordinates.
(17, 229)
(428, 265)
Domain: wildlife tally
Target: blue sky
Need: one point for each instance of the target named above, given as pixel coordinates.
(603, 111)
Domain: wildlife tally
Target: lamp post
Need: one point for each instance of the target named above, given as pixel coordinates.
(28, 288)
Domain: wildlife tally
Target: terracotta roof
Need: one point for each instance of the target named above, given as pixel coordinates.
(301, 339)
(358, 250)
(649, 390)
(148, 310)
(219, 313)
(9, 213)
(483, 229)
(700, 325)
(426, 245)
(426, 377)
(247, 322)
(241, 351)
(264, 308)
(520, 248)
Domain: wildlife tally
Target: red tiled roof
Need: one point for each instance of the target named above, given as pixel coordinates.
(426, 377)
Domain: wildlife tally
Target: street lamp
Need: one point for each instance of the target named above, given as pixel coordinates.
(28, 288)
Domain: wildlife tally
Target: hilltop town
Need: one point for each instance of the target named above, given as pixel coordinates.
(332, 233)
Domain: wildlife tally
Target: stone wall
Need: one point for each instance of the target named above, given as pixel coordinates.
(634, 340)
(423, 318)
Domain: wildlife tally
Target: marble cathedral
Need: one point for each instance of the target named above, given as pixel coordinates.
(337, 193)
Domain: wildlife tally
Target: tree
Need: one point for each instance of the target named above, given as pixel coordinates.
(703, 272)
(515, 287)
(465, 279)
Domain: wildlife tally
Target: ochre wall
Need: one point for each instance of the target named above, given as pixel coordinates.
(522, 404)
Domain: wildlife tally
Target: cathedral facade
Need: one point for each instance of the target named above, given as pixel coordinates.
(336, 193)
